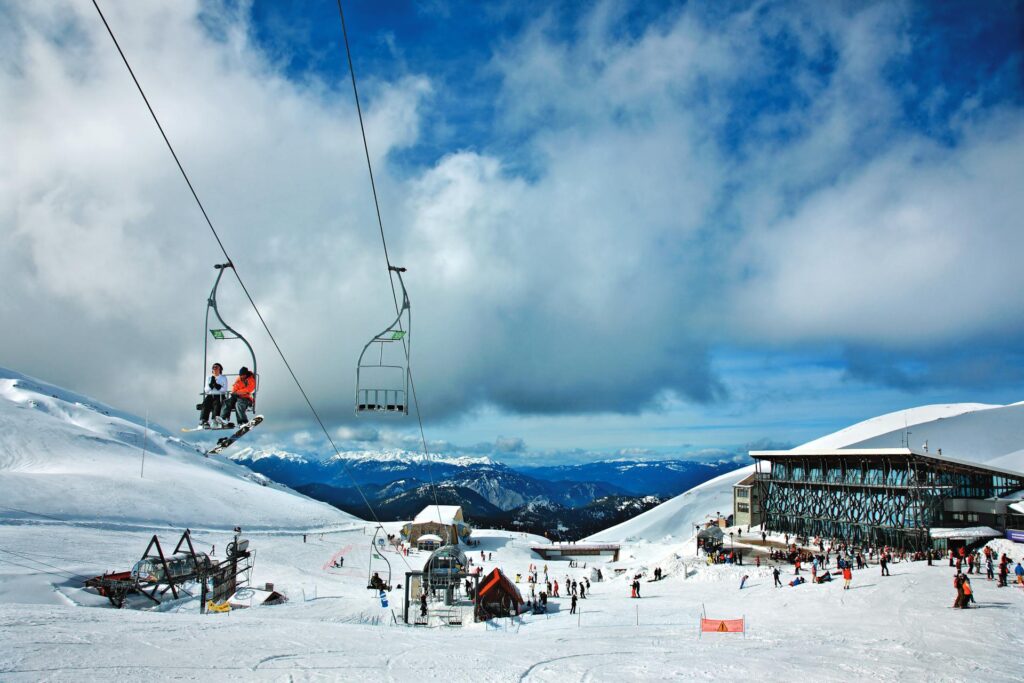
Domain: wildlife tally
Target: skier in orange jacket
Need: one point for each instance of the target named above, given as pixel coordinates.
(241, 398)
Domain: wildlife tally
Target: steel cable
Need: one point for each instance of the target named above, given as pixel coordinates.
(238, 276)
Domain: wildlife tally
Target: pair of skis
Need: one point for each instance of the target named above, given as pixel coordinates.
(226, 441)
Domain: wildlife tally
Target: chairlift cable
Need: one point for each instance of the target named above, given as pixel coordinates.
(45, 564)
(62, 574)
(387, 258)
(36, 514)
(238, 276)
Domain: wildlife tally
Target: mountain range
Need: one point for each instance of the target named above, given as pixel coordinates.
(563, 500)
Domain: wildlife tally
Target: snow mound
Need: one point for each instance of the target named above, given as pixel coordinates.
(69, 457)
(893, 423)
(992, 436)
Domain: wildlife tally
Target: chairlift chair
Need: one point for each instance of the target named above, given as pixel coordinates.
(224, 333)
(378, 552)
(382, 373)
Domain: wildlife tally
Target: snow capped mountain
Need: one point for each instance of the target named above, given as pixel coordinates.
(256, 454)
(638, 477)
(385, 457)
(65, 456)
(403, 457)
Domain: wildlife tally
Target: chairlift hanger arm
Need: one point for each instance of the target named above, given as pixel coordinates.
(211, 305)
(396, 324)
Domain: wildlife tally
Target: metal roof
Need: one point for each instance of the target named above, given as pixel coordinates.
(443, 514)
(768, 455)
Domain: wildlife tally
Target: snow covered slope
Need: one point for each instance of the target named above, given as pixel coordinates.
(977, 432)
(890, 423)
(675, 518)
(66, 456)
(991, 435)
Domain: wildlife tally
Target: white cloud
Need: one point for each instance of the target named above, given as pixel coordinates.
(594, 280)
(913, 249)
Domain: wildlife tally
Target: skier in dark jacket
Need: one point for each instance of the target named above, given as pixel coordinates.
(573, 609)
(775, 574)
(213, 395)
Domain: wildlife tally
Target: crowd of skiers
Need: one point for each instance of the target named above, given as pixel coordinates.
(974, 560)
(723, 556)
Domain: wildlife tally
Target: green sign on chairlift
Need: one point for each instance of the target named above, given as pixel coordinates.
(218, 334)
(397, 335)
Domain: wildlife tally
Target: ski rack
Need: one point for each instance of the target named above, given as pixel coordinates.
(382, 385)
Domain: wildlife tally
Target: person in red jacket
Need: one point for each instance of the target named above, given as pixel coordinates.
(241, 398)
(847, 577)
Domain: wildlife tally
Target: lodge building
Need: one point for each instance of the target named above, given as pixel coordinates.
(877, 496)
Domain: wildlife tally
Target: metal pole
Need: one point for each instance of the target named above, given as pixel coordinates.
(145, 438)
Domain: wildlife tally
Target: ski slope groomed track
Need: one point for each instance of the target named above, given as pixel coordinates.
(886, 628)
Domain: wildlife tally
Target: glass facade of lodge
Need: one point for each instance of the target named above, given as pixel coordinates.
(877, 498)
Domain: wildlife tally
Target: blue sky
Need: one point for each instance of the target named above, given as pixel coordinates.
(631, 228)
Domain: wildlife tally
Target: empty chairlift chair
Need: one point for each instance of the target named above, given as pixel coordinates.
(382, 374)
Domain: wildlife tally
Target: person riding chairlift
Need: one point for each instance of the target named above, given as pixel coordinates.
(240, 399)
(216, 389)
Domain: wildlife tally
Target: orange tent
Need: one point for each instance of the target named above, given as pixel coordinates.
(497, 596)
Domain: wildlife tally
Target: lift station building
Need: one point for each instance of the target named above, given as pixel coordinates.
(879, 496)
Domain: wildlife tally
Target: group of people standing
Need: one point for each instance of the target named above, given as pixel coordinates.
(218, 402)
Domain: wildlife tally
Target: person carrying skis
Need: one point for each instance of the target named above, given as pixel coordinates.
(240, 399)
(213, 395)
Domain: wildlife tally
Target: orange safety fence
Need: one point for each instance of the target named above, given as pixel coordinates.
(722, 625)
